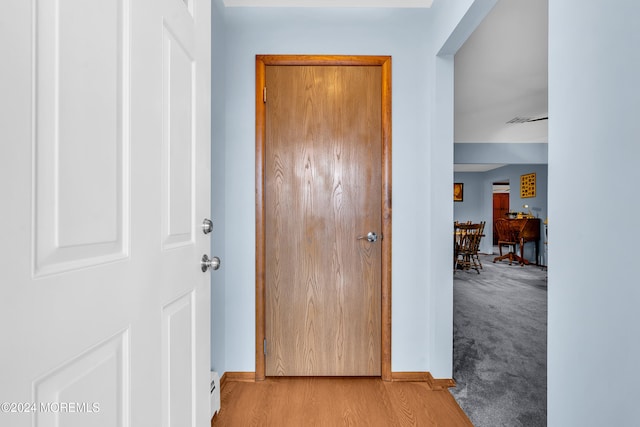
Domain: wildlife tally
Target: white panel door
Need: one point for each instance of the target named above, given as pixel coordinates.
(105, 180)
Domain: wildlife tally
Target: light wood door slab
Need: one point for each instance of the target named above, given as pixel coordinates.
(322, 191)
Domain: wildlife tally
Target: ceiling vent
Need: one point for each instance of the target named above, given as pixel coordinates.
(526, 119)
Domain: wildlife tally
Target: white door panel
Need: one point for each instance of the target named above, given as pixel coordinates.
(81, 80)
(178, 144)
(105, 180)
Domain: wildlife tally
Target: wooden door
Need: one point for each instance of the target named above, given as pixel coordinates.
(105, 177)
(500, 208)
(322, 196)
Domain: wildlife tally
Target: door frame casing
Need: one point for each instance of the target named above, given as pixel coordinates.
(262, 61)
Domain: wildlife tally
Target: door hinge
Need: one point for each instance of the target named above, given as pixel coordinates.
(264, 94)
(264, 346)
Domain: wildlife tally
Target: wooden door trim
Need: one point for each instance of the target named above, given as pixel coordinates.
(379, 61)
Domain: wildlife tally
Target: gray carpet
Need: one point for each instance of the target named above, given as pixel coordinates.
(500, 344)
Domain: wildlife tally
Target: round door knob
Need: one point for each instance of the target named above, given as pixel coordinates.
(209, 264)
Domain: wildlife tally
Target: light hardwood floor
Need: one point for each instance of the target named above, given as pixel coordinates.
(303, 402)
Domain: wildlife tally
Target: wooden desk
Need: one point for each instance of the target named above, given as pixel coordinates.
(523, 230)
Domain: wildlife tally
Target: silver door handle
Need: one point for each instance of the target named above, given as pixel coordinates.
(206, 263)
(371, 237)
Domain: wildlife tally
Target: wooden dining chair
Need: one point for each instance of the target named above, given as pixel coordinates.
(507, 236)
(476, 249)
(468, 242)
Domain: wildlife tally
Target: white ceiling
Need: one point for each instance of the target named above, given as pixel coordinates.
(476, 167)
(501, 73)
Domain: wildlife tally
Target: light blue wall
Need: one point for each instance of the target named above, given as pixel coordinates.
(453, 22)
(218, 185)
(422, 308)
(478, 200)
(501, 153)
(594, 147)
(400, 33)
(471, 206)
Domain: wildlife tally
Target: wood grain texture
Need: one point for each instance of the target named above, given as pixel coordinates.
(322, 191)
(386, 221)
(340, 60)
(260, 218)
(336, 402)
(237, 376)
(434, 383)
(384, 64)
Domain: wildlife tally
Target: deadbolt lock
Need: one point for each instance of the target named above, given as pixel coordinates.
(207, 226)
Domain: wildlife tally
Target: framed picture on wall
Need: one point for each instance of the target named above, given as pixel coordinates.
(457, 191)
(528, 185)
